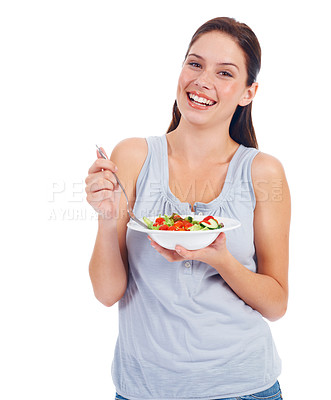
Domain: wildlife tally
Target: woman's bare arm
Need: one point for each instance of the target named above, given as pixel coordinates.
(109, 265)
(267, 290)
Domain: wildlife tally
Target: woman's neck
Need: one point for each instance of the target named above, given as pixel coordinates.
(195, 144)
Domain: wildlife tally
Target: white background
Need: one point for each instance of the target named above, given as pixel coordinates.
(76, 73)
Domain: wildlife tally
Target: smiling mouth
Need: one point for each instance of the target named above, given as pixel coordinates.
(200, 101)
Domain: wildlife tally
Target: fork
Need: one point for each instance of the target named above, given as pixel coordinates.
(129, 209)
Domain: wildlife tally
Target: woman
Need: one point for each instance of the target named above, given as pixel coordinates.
(191, 322)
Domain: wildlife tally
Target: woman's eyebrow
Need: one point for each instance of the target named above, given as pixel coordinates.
(220, 63)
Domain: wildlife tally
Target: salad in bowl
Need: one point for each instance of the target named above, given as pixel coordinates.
(190, 231)
(178, 223)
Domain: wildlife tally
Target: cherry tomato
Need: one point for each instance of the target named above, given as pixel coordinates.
(206, 219)
(177, 217)
(164, 227)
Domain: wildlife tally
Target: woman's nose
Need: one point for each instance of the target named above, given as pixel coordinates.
(204, 80)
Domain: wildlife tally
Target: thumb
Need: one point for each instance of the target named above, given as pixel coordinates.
(187, 254)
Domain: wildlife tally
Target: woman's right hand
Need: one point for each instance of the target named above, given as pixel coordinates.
(102, 189)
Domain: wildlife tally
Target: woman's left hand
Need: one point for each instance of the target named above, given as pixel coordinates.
(211, 254)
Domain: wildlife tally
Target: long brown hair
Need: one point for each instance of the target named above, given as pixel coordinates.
(241, 126)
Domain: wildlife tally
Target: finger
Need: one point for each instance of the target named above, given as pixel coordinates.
(102, 164)
(99, 177)
(200, 254)
(187, 254)
(101, 195)
(170, 255)
(219, 241)
(98, 185)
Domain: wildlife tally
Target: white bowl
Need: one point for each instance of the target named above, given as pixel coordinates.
(191, 240)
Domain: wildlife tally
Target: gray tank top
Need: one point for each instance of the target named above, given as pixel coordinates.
(183, 333)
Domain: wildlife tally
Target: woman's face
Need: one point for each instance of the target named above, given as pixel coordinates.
(213, 81)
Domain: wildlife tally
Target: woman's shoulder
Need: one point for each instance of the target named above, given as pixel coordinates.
(134, 147)
(266, 166)
(130, 154)
(267, 173)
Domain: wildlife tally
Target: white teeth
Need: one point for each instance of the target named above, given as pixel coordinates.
(201, 100)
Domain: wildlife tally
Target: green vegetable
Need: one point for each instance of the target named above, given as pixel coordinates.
(211, 224)
(148, 222)
(195, 227)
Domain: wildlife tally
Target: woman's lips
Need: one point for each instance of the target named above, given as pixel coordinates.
(199, 101)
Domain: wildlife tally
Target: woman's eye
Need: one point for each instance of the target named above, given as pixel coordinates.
(225, 73)
(195, 64)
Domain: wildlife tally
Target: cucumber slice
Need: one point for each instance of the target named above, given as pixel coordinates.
(211, 224)
(195, 227)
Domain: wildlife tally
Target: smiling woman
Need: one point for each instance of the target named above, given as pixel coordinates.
(192, 322)
(236, 36)
(214, 79)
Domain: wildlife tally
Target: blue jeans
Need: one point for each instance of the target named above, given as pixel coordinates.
(273, 393)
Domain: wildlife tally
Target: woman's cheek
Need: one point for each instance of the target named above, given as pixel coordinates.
(228, 89)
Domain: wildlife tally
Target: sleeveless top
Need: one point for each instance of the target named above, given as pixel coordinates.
(183, 333)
